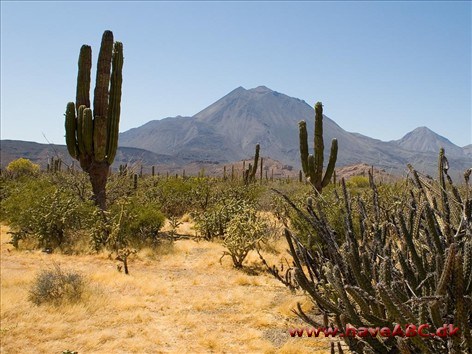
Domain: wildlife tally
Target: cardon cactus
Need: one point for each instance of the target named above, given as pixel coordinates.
(250, 173)
(92, 136)
(312, 165)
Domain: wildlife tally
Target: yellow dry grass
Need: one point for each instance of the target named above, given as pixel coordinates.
(183, 301)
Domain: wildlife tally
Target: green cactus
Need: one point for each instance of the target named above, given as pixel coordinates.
(396, 266)
(312, 165)
(92, 136)
(261, 168)
(250, 173)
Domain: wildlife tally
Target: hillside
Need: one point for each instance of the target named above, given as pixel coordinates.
(42, 153)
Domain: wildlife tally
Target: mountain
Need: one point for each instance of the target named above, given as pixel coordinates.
(228, 130)
(425, 140)
(468, 150)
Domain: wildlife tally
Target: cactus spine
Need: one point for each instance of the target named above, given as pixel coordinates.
(92, 136)
(312, 165)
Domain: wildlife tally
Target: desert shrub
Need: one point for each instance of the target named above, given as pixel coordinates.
(76, 182)
(22, 167)
(129, 222)
(213, 221)
(243, 233)
(38, 210)
(119, 185)
(56, 286)
(143, 223)
(358, 182)
(174, 195)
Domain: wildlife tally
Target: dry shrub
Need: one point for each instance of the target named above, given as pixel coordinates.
(56, 286)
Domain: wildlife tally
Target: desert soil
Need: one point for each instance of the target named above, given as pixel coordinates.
(179, 301)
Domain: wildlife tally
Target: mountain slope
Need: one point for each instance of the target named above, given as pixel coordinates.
(228, 130)
(423, 139)
(468, 150)
(42, 153)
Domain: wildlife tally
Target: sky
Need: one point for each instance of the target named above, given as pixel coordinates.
(381, 69)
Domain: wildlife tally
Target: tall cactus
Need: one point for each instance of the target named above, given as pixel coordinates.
(250, 173)
(312, 165)
(92, 136)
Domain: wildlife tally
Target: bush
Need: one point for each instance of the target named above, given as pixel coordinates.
(358, 182)
(223, 204)
(38, 210)
(56, 286)
(214, 221)
(22, 167)
(243, 233)
(130, 222)
(143, 223)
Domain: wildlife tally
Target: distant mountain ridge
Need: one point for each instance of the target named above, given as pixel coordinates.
(41, 153)
(228, 130)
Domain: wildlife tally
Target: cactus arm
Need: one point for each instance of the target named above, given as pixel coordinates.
(311, 168)
(319, 145)
(83, 77)
(100, 99)
(99, 138)
(256, 160)
(303, 146)
(261, 168)
(332, 162)
(87, 131)
(71, 126)
(114, 102)
(80, 122)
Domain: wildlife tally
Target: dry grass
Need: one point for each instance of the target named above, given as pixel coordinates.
(183, 301)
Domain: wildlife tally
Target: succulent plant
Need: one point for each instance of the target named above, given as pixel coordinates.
(92, 135)
(312, 165)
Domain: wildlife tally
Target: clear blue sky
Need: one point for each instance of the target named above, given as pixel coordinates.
(380, 68)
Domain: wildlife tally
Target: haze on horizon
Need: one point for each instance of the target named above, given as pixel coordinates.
(381, 69)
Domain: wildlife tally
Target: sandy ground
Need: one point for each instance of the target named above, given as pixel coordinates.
(179, 301)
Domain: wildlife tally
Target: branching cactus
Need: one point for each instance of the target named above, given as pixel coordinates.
(312, 165)
(92, 136)
(250, 173)
(398, 259)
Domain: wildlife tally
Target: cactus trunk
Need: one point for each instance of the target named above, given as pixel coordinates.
(98, 173)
